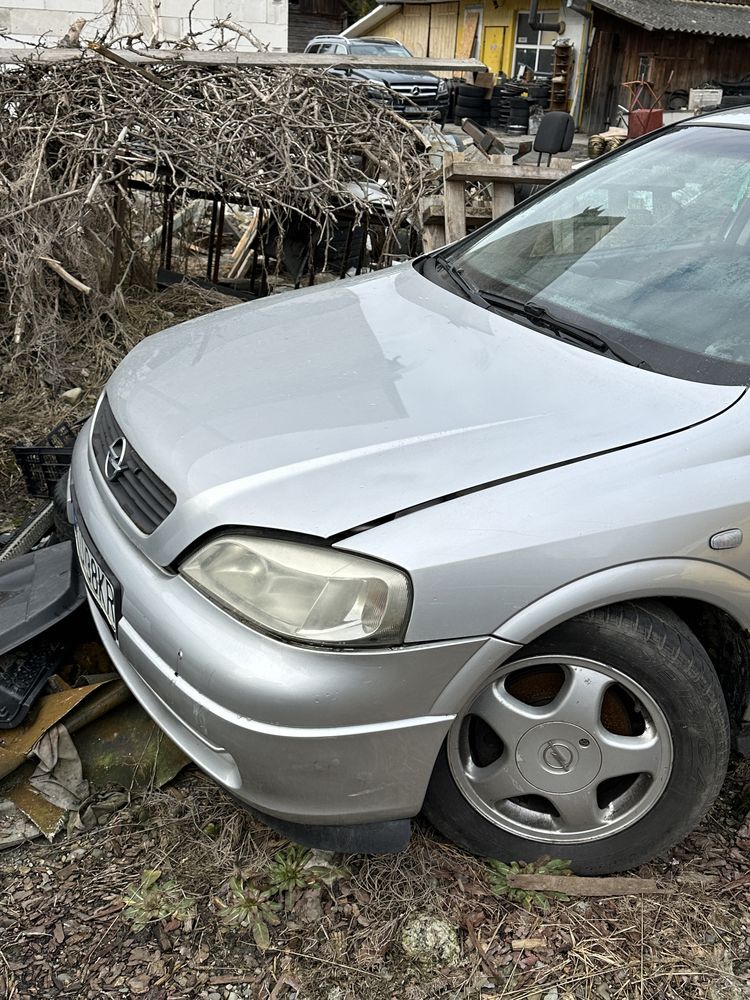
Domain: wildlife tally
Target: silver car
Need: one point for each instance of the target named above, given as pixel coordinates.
(464, 536)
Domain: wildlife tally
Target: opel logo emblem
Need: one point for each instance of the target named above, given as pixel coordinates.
(114, 463)
(557, 756)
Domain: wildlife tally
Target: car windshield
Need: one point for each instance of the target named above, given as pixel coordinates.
(379, 49)
(650, 248)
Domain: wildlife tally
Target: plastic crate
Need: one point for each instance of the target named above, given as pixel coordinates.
(701, 98)
(43, 464)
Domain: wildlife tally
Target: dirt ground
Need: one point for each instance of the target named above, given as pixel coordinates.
(91, 918)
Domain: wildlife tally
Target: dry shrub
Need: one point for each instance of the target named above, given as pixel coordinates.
(298, 144)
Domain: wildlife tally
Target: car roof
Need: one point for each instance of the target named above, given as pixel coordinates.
(363, 38)
(377, 38)
(735, 117)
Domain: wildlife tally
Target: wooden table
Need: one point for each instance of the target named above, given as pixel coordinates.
(497, 171)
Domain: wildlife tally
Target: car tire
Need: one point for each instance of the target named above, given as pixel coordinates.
(656, 687)
(470, 92)
(470, 102)
(63, 528)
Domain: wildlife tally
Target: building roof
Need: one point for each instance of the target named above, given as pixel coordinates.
(381, 13)
(697, 17)
(371, 20)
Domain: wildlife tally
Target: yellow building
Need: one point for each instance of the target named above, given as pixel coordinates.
(495, 31)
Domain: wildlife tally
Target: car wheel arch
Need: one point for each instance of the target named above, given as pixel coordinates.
(683, 585)
(662, 579)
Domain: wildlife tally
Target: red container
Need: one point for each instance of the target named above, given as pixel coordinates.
(644, 120)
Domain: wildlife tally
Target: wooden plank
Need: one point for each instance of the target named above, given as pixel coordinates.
(466, 44)
(242, 253)
(487, 171)
(433, 212)
(416, 28)
(455, 199)
(443, 28)
(576, 885)
(455, 211)
(503, 198)
(433, 237)
(299, 60)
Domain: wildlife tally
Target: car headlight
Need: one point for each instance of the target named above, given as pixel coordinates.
(308, 593)
(378, 91)
(442, 87)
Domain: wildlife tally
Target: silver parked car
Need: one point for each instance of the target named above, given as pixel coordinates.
(463, 536)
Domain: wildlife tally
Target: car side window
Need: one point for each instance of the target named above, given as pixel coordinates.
(340, 50)
(312, 48)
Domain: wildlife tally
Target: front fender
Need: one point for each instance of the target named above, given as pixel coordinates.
(691, 578)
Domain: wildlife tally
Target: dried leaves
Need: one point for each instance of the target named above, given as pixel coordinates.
(62, 925)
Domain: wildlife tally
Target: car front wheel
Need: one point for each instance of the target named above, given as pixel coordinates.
(605, 742)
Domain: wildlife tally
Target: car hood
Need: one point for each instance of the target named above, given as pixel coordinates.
(393, 76)
(322, 410)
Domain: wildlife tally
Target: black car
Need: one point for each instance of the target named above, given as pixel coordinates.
(409, 92)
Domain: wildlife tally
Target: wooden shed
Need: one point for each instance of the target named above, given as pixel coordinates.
(696, 41)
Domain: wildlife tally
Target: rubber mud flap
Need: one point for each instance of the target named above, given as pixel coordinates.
(38, 590)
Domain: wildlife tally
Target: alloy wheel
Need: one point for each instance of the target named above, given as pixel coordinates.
(559, 749)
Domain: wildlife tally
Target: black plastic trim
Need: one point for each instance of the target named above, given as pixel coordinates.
(386, 837)
(741, 740)
(144, 498)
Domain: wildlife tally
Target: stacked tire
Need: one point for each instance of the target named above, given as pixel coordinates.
(518, 117)
(471, 103)
(499, 103)
(539, 94)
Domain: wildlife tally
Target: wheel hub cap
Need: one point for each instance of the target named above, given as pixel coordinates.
(558, 757)
(561, 748)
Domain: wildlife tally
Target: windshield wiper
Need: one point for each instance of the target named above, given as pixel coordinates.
(539, 316)
(467, 286)
(565, 331)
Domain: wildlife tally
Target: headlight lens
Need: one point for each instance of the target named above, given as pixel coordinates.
(304, 592)
(442, 86)
(378, 91)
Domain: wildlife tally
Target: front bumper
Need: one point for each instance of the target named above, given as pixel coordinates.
(420, 112)
(306, 736)
(416, 109)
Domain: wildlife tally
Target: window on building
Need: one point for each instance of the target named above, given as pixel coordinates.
(533, 48)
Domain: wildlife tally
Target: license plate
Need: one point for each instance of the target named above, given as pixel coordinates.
(100, 581)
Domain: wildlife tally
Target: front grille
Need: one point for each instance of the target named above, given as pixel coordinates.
(424, 92)
(142, 495)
